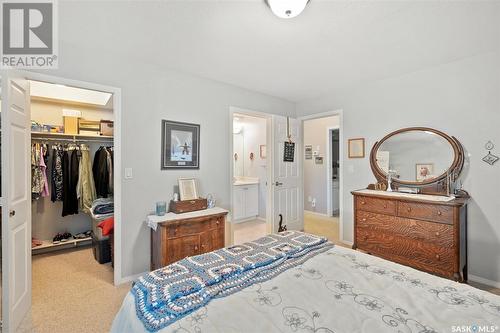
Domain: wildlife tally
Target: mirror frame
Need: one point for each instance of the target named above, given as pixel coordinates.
(455, 167)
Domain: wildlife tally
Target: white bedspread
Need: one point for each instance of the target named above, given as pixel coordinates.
(340, 291)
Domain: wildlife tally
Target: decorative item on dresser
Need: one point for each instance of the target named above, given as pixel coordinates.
(176, 236)
(427, 231)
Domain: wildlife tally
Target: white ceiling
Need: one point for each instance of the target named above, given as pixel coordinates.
(332, 45)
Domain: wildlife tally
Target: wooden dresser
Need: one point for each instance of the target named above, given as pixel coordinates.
(182, 235)
(424, 234)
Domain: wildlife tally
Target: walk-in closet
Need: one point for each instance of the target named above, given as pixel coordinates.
(72, 169)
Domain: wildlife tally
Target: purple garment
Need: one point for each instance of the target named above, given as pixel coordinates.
(43, 168)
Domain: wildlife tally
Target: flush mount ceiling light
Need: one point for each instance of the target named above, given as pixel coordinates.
(287, 8)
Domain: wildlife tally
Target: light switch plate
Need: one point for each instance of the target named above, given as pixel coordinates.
(128, 173)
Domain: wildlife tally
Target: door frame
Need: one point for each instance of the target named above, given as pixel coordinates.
(117, 143)
(339, 113)
(269, 165)
(329, 180)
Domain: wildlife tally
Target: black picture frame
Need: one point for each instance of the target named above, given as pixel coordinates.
(180, 145)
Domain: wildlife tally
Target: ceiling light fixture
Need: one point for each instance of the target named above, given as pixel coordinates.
(287, 8)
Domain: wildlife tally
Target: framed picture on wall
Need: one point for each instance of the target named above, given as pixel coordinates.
(263, 152)
(180, 145)
(356, 148)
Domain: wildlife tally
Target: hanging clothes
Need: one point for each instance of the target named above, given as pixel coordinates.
(102, 171)
(86, 191)
(109, 162)
(36, 171)
(70, 165)
(43, 170)
(57, 174)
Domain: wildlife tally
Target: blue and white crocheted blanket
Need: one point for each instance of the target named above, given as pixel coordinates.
(170, 293)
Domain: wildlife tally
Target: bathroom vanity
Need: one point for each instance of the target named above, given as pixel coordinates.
(427, 231)
(245, 199)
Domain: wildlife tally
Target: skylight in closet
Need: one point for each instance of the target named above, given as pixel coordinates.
(70, 94)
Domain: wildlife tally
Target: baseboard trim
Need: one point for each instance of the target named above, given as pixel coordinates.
(478, 279)
(131, 278)
(261, 219)
(316, 213)
(347, 242)
(252, 218)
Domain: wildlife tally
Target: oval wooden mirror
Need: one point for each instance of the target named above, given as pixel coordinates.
(417, 156)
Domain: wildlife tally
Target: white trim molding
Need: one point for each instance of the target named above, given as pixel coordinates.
(316, 213)
(478, 279)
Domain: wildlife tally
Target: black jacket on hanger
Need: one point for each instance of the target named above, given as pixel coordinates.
(70, 164)
(101, 173)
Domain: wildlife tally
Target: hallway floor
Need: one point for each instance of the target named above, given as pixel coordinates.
(322, 225)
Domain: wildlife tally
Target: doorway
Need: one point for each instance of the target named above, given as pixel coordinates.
(250, 172)
(322, 175)
(71, 121)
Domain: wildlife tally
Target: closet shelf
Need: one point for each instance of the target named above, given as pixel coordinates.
(47, 244)
(69, 136)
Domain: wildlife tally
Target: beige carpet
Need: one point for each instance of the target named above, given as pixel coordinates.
(248, 231)
(322, 226)
(72, 293)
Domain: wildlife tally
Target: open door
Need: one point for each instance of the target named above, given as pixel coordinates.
(287, 176)
(16, 209)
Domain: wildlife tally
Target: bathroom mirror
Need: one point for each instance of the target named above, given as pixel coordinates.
(416, 156)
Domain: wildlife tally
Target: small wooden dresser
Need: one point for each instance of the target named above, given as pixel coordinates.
(424, 234)
(182, 235)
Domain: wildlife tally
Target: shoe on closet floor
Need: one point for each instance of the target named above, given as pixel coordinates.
(66, 237)
(81, 235)
(57, 239)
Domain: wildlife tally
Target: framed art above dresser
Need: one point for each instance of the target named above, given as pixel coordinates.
(421, 219)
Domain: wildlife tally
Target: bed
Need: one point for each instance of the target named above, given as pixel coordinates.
(336, 290)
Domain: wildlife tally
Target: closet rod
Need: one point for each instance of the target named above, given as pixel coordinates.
(72, 140)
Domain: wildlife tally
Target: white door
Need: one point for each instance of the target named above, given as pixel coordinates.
(16, 195)
(287, 188)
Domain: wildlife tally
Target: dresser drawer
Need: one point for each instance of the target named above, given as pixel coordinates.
(376, 205)
(422, 255)
(430, 232)
(189, 227)
(428, 212)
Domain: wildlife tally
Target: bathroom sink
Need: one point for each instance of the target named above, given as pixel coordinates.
(427, 197)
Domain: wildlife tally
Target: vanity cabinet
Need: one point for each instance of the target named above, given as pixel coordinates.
(245, 201)
(184, 235)
(426, 235)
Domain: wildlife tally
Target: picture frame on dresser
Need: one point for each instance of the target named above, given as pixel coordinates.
(180, 145)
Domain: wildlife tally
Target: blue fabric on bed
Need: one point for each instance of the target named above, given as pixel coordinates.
(170, 293)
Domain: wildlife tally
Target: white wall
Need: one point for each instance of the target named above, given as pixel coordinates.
(461, 98)
(150, 94)
(315, 175)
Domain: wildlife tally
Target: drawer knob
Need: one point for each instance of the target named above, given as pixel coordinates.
(385, 206)
(409, 209)
(439, 213)
(437, 233)
(363, 219)
(196, 247)
(438, 257)
(365, 237)
(217, 222)
(363, 203)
